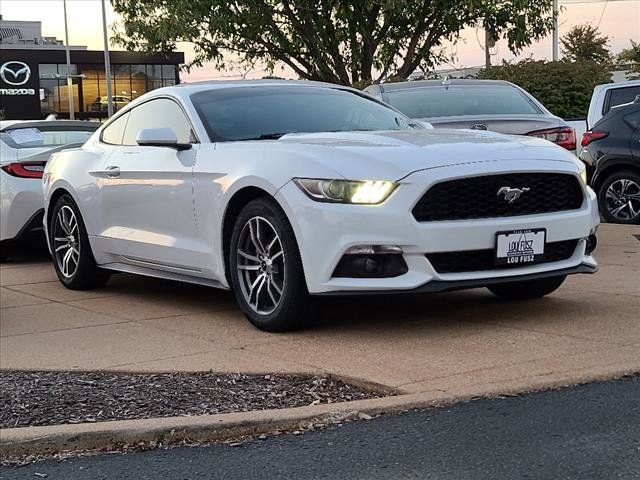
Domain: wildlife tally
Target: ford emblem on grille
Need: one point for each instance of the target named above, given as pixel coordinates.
(512, 194)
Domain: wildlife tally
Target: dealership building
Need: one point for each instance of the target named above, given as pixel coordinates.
(33, 75)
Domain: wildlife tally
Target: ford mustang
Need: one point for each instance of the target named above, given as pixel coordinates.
(283, 191)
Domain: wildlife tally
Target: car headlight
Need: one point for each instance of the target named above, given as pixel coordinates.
(369, 192)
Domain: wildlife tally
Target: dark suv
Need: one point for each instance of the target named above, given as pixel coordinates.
(611, 151)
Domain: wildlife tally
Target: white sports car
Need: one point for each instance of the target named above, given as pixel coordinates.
(25, 147)
(284, 190)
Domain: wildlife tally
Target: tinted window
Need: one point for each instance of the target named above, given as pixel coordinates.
(618, 96)
(158, 113)
(115, 130)
(50, 136)
(460, 100)
(243, 113)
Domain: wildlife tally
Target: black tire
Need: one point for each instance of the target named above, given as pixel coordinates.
(608, 205)
(86, 275)
(294, 308)
(527, 288)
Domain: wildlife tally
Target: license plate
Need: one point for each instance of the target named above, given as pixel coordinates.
(520, 247)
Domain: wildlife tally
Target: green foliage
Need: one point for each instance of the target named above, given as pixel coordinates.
(340, 41)
(630, 58)
(565, 88)
(583, 42)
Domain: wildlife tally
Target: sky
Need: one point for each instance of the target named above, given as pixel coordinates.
(618, 19)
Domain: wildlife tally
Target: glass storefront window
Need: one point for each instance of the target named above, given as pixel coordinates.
(90, 92)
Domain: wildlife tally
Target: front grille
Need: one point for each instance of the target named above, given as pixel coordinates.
(479, 260)
(477, 197)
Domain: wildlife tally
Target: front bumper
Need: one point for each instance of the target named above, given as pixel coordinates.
(325, 232)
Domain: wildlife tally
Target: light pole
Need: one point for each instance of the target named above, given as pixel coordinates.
(69, 78)
(555, 30)
(107, 61)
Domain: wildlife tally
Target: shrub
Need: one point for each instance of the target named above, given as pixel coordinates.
(563, 87)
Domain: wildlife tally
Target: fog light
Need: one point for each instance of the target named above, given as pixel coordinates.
(376, 265)
(592, 243)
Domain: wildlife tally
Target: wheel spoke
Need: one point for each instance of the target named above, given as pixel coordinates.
(62, 247)
(619, 209)
(270, 293)
(248, 257)
(258, 292)
(249, 267)
(65, 262)
(273, 257)
(254, 240)
(264, 250)
(275, 285)
(62, 222)
(275, 239)
(634, 212)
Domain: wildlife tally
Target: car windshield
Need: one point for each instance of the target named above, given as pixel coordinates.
(268, 112)
(49, 136)
(459, 100)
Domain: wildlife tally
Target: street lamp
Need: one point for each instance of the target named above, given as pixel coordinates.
(107, 61)
(69, 76)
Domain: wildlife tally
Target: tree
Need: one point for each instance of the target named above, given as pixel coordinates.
(583, 42)
(563, 87)
(630, 58)
(340, 41)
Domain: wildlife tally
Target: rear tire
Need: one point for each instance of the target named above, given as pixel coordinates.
(619, 198)
(527, 288)
(72, 256)
(265, 269)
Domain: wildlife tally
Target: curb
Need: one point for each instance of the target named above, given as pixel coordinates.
(59, 439)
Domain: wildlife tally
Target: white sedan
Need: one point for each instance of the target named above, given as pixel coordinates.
(283, 191)
(25, 147)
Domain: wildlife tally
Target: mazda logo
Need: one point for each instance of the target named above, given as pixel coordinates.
(15, 73)
(512, 194)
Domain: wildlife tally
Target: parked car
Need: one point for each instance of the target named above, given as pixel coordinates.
(494, 105)
(609, 95)
(282, 190)
(604, 98)
(25, 147)
(611, 151)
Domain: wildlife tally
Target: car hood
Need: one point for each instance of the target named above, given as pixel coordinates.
(393, 155)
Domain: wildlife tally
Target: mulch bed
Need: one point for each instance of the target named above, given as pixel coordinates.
(52, 398)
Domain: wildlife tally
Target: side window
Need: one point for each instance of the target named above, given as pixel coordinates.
(618, 96)
(115, 130)
(159, 113)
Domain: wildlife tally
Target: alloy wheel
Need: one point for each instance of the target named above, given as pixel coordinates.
(66, 244)
(623, 199)
(260, 265)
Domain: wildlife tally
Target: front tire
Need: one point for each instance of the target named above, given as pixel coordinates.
(266, 270)
(527, 289)
(72, 257)
(619, 198)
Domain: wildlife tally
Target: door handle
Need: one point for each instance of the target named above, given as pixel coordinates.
(112, 171)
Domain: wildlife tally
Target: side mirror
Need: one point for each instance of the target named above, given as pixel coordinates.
(160, 137)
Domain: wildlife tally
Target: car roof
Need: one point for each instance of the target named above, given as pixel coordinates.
(394, 86)
(6, 125)
(184, 90)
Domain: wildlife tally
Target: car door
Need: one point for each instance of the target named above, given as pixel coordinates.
(147, 194)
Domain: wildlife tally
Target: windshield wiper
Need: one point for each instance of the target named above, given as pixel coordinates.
(267, 136)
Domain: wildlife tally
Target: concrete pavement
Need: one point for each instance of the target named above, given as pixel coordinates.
(459, 343)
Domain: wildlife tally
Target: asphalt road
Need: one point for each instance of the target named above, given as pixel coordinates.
(585, 432)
